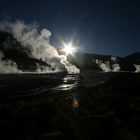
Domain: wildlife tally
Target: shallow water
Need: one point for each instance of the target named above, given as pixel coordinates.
(27, 84)
(32, 84)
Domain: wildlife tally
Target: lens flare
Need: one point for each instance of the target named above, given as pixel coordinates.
(75, 103)
(68, 48)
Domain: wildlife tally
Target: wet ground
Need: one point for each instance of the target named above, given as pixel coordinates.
(14, 85)
(67, 107)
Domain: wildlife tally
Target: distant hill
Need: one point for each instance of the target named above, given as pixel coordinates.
(127, 63)
(88, 61)
(133, 58)
(84, 61)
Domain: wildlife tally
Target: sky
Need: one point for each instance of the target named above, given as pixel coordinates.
(95, 26)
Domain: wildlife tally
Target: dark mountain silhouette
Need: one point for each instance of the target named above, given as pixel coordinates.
(127, 63)
(84, 61)
(87, 61)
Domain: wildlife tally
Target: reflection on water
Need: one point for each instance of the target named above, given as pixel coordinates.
(15, 85)
(69, 82)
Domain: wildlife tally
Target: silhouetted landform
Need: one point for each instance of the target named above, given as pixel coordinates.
(84, 61)
(87, 61)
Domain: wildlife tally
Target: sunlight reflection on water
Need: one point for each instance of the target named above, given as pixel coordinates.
(69, 82)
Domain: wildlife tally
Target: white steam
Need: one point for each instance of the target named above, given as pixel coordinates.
(116, 67)
(137, 68)
(106, 66)
(70, 68)
(113, 58)
(38, 43)
(7, 66)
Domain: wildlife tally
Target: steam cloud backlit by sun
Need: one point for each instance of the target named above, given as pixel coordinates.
(38, 43)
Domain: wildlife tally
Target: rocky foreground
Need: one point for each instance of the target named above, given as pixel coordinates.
(106, 111)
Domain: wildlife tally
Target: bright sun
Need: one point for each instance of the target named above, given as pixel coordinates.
(68, 48)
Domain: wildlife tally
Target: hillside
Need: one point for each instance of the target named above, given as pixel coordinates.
(88, 61)
(127, 63)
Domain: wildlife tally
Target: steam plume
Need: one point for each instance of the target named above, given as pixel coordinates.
(113, 58)
(107, 67)
(38, 43)
(137, 68)
(7, 66)
(116, 67)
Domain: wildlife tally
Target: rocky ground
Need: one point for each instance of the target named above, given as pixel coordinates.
(106, 111)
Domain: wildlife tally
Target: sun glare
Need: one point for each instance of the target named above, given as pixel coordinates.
(68, 48)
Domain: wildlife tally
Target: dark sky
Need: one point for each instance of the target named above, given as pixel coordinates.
(96, 26)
